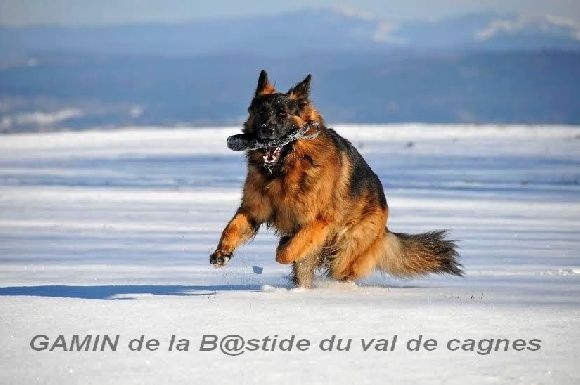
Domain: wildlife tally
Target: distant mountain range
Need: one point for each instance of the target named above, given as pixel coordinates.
(474, 68)
(321, 30)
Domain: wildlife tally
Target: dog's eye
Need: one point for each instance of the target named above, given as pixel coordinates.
(298, 106)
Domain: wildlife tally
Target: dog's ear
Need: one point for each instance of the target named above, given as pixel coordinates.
(264, 85)
(301, 90)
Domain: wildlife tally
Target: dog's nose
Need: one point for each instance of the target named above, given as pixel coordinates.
(267, 132)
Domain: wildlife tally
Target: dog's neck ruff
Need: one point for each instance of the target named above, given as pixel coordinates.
(243, 142)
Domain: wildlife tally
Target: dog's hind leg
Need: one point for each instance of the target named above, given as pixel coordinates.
(352, 261)
(365, 262)
(359, 248)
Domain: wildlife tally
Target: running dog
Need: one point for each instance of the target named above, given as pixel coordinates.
(317, 192)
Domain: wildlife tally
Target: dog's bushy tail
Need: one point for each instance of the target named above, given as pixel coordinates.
(408, 255)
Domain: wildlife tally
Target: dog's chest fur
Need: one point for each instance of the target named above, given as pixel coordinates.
(299, 192)
(292, 194)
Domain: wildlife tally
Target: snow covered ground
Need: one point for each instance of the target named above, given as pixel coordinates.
(109, 232)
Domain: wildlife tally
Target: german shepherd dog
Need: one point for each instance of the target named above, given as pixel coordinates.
(321, 197)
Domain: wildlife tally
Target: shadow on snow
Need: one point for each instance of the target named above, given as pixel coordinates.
(117, 292)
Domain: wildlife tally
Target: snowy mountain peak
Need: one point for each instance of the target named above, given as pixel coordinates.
(530, 24)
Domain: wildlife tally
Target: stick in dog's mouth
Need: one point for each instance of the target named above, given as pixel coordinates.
(245, 142)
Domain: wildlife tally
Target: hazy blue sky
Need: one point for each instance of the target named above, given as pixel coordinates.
(67, 12)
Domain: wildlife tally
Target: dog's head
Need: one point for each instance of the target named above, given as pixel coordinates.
(274, 116)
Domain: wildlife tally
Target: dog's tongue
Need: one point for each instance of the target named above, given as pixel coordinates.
(272, 155)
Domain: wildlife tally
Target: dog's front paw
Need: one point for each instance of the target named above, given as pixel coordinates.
(283, 257)
(219, 259)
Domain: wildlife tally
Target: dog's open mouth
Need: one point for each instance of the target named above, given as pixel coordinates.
(272, 148)
(272, 155)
